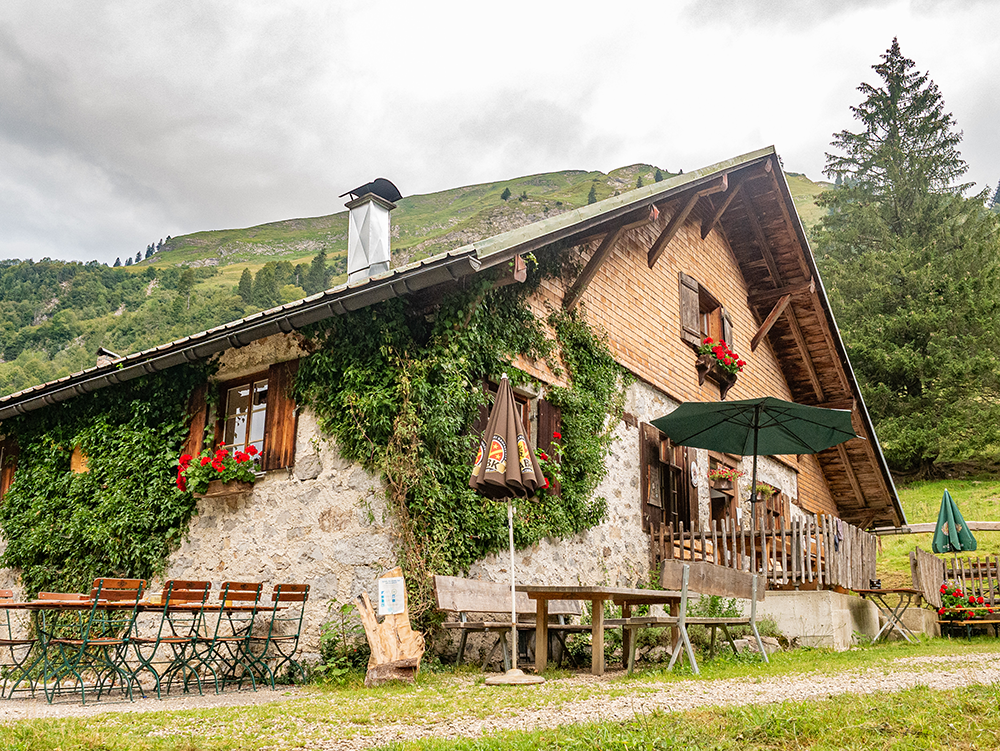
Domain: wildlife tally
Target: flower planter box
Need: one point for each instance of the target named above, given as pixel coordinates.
(722, 484)
(708, 367)
(218, 489)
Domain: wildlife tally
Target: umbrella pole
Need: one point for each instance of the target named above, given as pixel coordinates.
(753, 483)
(513, 601)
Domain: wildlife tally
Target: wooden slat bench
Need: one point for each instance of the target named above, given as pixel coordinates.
(704, 579)
(988, 619)
(472, 600)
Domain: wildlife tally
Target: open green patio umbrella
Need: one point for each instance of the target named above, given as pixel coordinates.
(757, 427)
(951, 533)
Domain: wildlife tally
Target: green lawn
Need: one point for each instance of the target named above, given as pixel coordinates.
(323, 716)
(978, 500)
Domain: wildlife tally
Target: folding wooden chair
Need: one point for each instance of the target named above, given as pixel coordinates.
(181, 620)
(21, 652)
(288, 603)
(100, 646)
(225, 653)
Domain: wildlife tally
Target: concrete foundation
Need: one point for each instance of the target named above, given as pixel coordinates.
(821, 618)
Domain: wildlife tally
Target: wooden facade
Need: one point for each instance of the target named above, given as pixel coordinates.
(726, 255)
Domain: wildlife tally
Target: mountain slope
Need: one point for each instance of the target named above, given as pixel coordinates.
(54, 315)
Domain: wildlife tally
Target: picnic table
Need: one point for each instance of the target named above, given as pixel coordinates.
(892, 603)
(625, 597)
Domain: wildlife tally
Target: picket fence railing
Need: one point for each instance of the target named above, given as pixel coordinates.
(817, 552)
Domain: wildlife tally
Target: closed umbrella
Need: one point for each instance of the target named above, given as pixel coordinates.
(750, 427)
(951, 534)
(506, 467)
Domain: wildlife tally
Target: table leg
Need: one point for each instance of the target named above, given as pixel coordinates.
(597, 638)
(541, 634)
(626, 634)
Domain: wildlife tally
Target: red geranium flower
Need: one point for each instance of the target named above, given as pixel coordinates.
(186, 458)
(241, 457)
(557, 436)
(252, 451)
(972, 600)
(979, 600)
(543, 455)
(221, 454)
(218, 466)
(546, 483)
(707, 340)
(944, 588)
(205, 460)
(940, 611)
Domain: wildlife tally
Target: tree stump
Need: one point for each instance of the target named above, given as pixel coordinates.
(396, 648)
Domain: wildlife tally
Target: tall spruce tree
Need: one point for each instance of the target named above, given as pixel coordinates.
(318, 277)
(913, 276)
(245, 289)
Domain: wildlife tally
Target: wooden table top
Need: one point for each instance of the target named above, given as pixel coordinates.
(619, 595)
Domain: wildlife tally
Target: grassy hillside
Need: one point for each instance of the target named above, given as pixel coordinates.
(54, 315)
(978, 500)
(427, 224)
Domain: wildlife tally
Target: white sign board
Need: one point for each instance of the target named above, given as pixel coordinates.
(391, 595)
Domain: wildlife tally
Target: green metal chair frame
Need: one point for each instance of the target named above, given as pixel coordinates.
(102, 642)
(225, 653)
(25, 654)
(181, 621)
(288, 605)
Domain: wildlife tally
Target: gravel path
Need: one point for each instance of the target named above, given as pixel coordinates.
(937, 672)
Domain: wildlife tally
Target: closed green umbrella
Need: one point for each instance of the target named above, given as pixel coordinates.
(757, 427)
(951, 534)
(506, 467)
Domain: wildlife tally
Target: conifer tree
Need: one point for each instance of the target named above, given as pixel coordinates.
(638, 183)
(912, 270)
(246, 286)
(318, 277)
(592, 195)
(117, 263)
(657, 176)
(505, 195)
(265, 287)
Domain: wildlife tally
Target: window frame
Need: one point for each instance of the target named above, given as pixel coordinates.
(222, 414)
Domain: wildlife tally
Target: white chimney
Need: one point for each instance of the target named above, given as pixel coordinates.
(368, 236)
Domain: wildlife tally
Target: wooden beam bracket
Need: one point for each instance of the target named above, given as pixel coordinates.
(779, 308)
(677, 220)
(768, 296)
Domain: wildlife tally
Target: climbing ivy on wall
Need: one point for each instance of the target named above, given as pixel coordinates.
(398, 386)
(122, 516)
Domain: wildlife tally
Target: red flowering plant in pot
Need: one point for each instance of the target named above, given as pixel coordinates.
(719, 355)
(550, 466)
(194, 473)
(957, 605)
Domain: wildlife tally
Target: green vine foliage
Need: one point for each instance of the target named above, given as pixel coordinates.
(121, 517)
(399, 386)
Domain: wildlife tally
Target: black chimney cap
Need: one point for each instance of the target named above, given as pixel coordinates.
(380, 186)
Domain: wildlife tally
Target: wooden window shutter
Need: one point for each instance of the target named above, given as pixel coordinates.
(279, 425)
(690, 310)
(727, 328)
(198, 414)
(549, 421)
(650, 480)
(8, 464)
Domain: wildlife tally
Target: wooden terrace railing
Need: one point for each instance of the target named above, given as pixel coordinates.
(818, 552)
(975, 575)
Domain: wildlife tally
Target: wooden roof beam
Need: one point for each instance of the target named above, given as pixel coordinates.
(600, 255)
(800, 341)
(779, 308)
(590, 270)
(761, 238)
(768, 296)
(710, 222)
(677, 220)
(851, 476)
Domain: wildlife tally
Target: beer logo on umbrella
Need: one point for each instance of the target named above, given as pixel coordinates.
(497, 460)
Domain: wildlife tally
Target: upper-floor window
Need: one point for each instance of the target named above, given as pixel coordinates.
(256, 410)
(245, 415)
(702, 314)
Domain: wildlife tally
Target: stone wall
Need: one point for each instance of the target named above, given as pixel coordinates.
(322, 523)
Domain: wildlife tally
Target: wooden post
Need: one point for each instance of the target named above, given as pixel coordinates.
(396, 648)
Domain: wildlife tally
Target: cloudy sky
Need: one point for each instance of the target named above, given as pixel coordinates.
(124, 122)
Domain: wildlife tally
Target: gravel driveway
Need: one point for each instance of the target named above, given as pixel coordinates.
(604, 704)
